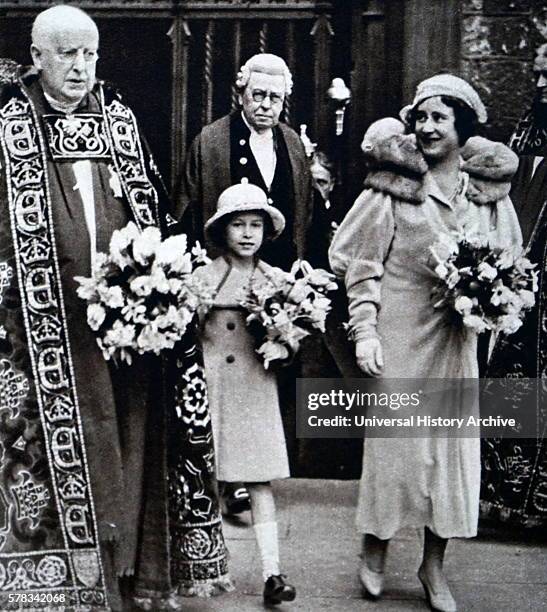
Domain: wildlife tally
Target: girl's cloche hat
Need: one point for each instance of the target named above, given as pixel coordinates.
(242, 198)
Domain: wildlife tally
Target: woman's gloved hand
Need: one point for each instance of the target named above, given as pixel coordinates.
(370, 357)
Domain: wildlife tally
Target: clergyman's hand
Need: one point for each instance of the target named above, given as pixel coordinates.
(370, 357)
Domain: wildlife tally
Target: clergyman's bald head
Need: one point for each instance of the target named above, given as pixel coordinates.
(64, 48)
(58, 19)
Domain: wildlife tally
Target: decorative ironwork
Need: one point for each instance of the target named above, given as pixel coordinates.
(237, 61)
(180, 36)
(169, 6)
(208, 73)
(263, 38)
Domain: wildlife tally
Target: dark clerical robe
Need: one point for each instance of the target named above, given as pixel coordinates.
(83, 462)
(221, 156)
(514, 474)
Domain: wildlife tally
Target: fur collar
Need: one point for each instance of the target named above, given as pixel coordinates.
(397, 167)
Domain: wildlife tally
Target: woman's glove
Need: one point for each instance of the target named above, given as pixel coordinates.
(370, 357)
(273, 351)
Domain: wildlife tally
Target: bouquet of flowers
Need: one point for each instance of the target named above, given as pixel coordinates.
(140, 295)
(487, 287)
(288, 308)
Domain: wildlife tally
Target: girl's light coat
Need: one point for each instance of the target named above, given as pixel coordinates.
(243, 397)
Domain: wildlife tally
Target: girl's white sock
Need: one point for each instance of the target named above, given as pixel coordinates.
(268, 546)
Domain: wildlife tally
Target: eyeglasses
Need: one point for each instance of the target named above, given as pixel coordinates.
(70, 56)
(260, 95)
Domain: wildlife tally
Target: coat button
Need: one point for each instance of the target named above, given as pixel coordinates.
(270, 201)
(243, 161)
(230, 359)
(231, 325)
(242, 142)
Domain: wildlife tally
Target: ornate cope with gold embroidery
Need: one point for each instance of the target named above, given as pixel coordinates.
(47, 377)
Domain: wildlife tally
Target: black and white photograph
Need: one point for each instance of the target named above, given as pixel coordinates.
(273, 326)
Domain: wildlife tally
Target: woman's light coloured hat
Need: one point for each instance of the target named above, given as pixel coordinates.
(447, 85)
(242, 198)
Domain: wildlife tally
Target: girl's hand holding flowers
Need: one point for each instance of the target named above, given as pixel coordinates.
(288, 308)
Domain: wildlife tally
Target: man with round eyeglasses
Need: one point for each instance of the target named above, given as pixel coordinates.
(252, 145)
(85, 446)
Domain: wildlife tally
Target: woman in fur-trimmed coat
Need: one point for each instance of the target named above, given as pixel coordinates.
(435, 180)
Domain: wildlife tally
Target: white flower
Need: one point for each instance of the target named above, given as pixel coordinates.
(200, 254)
(463, 305)
(322, 303)
(486, 271)
(145, 244)
(527, 297)
(95, 316)
(509, 324)
(299, 291)
(476, 323)
(515, 304)
(120, 335)
(307, 306)
(477, 241)
(535, 285)
(171, 249)
(183, 265)
(119, 243)
(185, 315)
(159, 280)
(88, 289)
(318, 318)
(141, 285)
(441, 271)
(113, 297)
(134, 311)
(523, 265)
(175, 285)
(506, 259)
(453, 278)
(292, 335)
(151, 340)
(280, 319)
(501, 295)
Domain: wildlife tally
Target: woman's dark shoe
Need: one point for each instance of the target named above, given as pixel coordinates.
(276, 590)
(441, 601)
(237, 501)
(372, 583)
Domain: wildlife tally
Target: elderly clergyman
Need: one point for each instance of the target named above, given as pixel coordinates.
(82, 491)
(253, 145)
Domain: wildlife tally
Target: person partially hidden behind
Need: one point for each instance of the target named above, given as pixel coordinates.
(514, 471)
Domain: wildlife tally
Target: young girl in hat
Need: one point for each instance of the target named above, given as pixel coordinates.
(247, 427)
